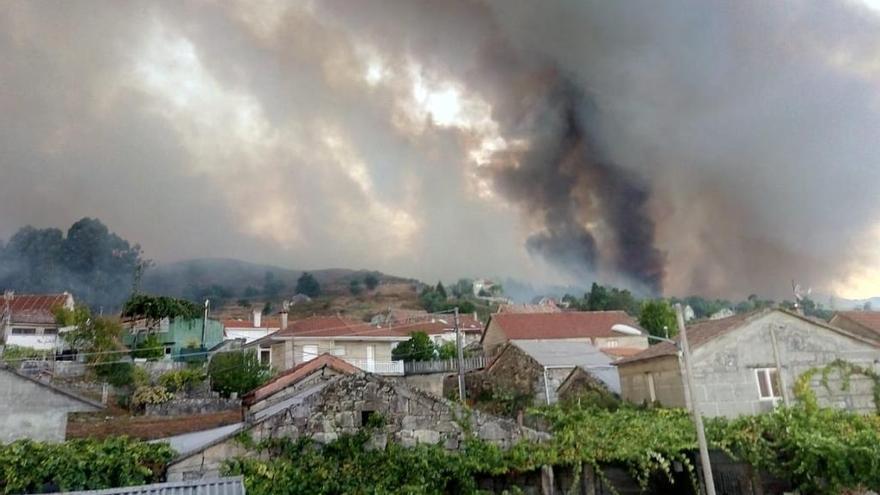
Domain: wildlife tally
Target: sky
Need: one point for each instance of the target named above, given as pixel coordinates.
(693, 147)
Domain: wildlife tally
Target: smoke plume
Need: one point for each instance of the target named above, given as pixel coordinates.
(688, 147)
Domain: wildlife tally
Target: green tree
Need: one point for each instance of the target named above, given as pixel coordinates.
(237, 372)
(597, 299)
(441, 290)
(355, 287)
(150, 348)
(658, 318)
(447, 350)
(371, 281)
(308, 285)
(418, 348)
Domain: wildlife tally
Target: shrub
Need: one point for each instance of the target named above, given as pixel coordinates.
(237, 371)
(149, 395)
(149, 348)
(117, 374)
(182, 380)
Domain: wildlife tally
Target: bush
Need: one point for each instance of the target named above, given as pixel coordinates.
(15, 353)
(182, 380)
(237, 372)
(149, 348)
(419, 347)
(83, 464)
(117, 374)
(149, 395)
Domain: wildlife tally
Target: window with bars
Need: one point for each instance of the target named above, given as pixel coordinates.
(768, 383)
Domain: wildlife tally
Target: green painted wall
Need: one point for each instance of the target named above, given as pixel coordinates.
(182, 333)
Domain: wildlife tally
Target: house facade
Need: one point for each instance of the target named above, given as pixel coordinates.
(587, 327)
(255, 328)
(737, 371)
(177, 336)
(37, 410)
(28, 320)
(442, 329)
(365, 346)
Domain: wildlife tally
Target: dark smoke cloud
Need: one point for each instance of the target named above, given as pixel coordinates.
(689, 147)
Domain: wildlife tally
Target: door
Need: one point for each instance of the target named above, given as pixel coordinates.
(371, 358)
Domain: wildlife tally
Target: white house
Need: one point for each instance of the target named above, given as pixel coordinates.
(28, 320)
(255, 328)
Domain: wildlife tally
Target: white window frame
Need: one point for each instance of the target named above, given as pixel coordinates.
(765, 375)
(308, 355)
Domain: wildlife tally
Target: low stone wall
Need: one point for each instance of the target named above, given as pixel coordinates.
(189, 406)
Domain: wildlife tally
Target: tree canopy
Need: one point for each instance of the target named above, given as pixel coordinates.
(658, 318)
(96, 265)
(419, 347)
(308, 285)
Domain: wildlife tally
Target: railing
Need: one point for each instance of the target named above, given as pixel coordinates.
(378, 367)
(443, 365)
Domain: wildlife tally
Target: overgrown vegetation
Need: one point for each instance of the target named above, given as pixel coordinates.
(35, 467)
(237, 372)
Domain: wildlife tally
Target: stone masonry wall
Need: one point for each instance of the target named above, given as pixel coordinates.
(189, 406)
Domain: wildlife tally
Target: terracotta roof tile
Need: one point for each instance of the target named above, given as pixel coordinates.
(34, 308)
(336, 326)
(294, 375)
(565, 325)
(869, 320)
(621, 352)
(249, 324)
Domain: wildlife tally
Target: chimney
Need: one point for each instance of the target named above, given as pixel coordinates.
(283, 319)
(258, 318)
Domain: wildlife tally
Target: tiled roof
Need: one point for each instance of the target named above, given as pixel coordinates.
(435, 325)
(249, 324)
(336, 326)
(621, 352)
(869, 320)
(529, 308)
(698, 334)
(217, 486)
(566, 325)
(293, 375)
(34, 308)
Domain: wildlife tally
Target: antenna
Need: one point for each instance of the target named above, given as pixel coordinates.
(799, 295)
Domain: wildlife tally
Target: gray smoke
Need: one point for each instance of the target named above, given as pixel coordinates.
(719, 148)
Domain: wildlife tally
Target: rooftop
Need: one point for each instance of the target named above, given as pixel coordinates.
(35, 308)
(565, 325)
(217, 486)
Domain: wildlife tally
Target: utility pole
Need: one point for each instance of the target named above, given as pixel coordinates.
(205, 324)
(778, 366)
(691, 398)
(458, 347)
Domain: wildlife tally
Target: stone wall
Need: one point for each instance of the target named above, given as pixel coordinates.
(190, 406)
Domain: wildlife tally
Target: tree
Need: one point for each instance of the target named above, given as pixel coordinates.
(306, 284)
(156, 308)
(447, 350)
(237, 372)
(355, 287)
(250, 291)
(267, 308)
(371, 281)
(441, 290)
(100, 339)
(463, 288)
(658, 318)
(418, 348)
(597, 299)
(272, 286)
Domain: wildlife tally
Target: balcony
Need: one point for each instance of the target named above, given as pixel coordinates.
(378, 367)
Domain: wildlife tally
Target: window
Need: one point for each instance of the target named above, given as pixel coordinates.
(24, 331)
(768, 383)
(168, 350)
(265, 356)
(611, 343)
(50, 331)
(309, 352)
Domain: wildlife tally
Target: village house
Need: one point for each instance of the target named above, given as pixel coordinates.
(442, 329)
(591, 327)
(365, 346)
(863, 323)
(746, 364)
(327, 397)
(178, 337)
(34, 409)
(255, 328)
(28, 320)
(537, 368)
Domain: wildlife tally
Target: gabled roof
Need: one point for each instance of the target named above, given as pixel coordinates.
(529, 308)
(53, 388)
(336, 326)
(433, 325)
(34, 308)
(242, 324)
(217, 486)
(294, 375)
(561, 354)
(566, 325)
(868, 320)
(706, 331)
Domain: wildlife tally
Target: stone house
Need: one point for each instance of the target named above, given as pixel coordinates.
(863, 323)
(736, 370)
(359, 343)
(537, 368)
(590, 327)
(30, 408)
(327, 397)
(28, 320)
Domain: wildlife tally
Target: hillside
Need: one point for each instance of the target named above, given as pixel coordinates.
(178, 279)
